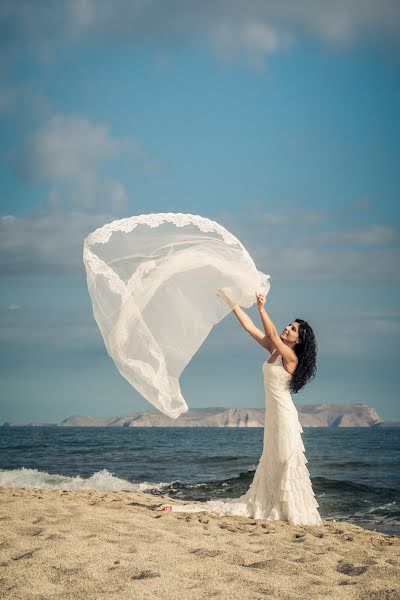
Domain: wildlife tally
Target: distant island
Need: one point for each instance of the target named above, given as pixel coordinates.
(310, 415)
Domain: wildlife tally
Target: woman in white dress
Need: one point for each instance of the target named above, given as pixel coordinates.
(281, 488)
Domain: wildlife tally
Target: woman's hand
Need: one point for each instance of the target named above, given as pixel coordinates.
(260, 300)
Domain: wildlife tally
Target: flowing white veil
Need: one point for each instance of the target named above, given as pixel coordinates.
(153, 281)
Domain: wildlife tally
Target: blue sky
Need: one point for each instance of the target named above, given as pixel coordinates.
(279, 121)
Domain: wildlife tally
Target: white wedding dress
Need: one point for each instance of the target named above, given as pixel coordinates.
(281, 488)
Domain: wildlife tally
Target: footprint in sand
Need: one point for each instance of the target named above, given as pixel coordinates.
(204, 553)
(26, 554)
(228, 527)
(347, 568)
(299, 537)
(262, 564)
(145, 575)
(4, 545)
(276, 566)
(55, 536)
(61, 573)
(32, 531)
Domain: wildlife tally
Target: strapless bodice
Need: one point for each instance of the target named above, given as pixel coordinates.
(277, 379)
(276, 369)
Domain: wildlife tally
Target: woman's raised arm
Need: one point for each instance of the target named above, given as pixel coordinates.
(249, 326)
(247, 323)
(270, 331)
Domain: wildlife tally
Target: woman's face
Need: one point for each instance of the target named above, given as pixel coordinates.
(290, 333)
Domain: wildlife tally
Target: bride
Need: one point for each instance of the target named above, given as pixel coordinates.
(281, 488)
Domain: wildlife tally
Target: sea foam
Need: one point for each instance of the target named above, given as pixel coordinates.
(101, 480)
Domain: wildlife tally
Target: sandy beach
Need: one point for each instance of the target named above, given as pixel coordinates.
(91, 544)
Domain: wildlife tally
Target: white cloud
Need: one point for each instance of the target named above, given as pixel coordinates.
(68, 151)
(49, 242)
(371, 235)
(300, 262)
(289, 214)
(91, 193)
(36, 328)
(67, 148)
(13, 307)
(277, 242)
(359, 334)
(252, 40)
(42, 28)
(335, 22)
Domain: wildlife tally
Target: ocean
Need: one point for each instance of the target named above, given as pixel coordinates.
(355, 471)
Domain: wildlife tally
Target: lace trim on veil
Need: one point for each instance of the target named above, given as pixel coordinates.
(103, 234)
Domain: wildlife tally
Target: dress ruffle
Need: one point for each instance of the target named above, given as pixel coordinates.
(296, 500)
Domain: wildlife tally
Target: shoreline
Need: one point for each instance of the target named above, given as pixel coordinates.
(91, 544)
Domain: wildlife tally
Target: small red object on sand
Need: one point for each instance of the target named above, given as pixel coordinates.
(166, 507)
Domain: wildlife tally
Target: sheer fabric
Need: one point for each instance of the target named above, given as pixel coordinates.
(153, 282)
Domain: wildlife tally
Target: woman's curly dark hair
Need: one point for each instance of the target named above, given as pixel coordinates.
(306, 352)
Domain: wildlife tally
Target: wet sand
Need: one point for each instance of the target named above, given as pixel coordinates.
(117, 545)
